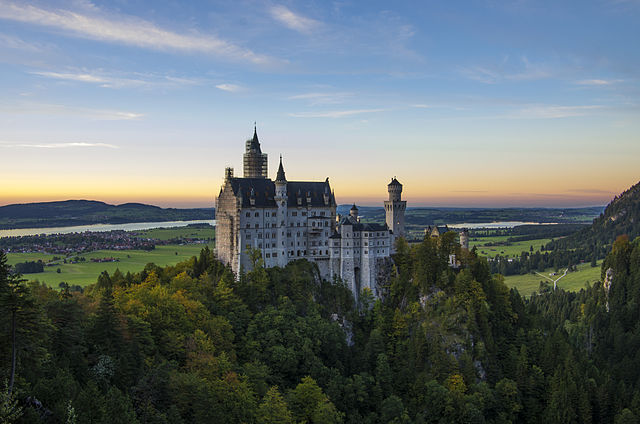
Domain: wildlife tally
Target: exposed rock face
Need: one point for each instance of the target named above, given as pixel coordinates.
(608, 281)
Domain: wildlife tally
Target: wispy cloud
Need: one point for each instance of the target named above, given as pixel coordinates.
(127, 30)
(13, 42)
(318, 98)
(334, 113)
(421, 106)
(554, 111)
(53, 109)
(111, 81)
(293, 20)
(598, 82)
(60, 145)
(507, 70)
(232, 88)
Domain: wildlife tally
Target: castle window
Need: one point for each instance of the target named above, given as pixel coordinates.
(248, 214)
(273, 245)
(304, 213)
(313, 224)
(248, 225)
(366, 244)
(297, 224)
(257, 214)
(248, 236)
(321, 213)
(260, 245)
(288, 234)
(266, 214)
(259, 235)
(256, 225)
(294, 213)
(266, 235)
(336, 252)
(366, 252)
(268, 255)
(275, 254)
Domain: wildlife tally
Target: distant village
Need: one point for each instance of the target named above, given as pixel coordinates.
(75, 243)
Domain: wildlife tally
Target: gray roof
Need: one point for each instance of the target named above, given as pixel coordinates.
(394, 182)
(264, 191)
(361, 226)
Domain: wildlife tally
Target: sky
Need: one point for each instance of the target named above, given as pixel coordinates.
(481, 103)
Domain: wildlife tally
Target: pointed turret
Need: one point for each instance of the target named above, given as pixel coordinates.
(280, 175)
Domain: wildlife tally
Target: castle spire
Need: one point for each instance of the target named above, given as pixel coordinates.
(280, 175)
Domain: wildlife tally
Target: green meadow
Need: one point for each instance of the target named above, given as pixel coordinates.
(512, 250)
(178, 232)
(85, 273)
(573, 281)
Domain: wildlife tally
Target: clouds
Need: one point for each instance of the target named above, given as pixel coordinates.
(598, 82)
(293, 20)
(507, 70)
(231, 88)
(126, 30)
(554, 111)
(113, 80)
(334, 113)
(59, 145)
(64, 110)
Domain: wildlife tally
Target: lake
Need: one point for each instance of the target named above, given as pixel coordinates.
(133, 226)
(500, 224)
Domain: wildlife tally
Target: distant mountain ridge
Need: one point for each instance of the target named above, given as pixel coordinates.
(423, 216)
(87, 212)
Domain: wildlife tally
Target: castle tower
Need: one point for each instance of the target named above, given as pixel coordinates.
(281, 200)
(255, 162)
(394, 209)
(354, 212)
(464, 239)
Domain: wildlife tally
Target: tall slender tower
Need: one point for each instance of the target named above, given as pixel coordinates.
(394, 209)
(281, 200)
(255, 162)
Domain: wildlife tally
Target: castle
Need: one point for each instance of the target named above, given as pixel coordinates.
(289, 220)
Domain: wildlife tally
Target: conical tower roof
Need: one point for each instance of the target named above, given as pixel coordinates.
(280, 175)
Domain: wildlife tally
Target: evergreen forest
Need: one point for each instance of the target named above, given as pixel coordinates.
(190, 343)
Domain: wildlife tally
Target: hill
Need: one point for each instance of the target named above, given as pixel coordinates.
(620, 217)
(87, 212)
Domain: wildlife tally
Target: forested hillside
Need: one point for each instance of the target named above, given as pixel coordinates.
(190, 344)
(621, 216)
(85, 212)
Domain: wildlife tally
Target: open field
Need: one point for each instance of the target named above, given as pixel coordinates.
(178, 232)
(513, 250)
(573, 281)
(86, 273)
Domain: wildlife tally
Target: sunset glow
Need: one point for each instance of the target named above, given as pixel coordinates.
(490, 104)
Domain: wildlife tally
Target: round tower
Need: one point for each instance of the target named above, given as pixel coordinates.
(354, 211)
